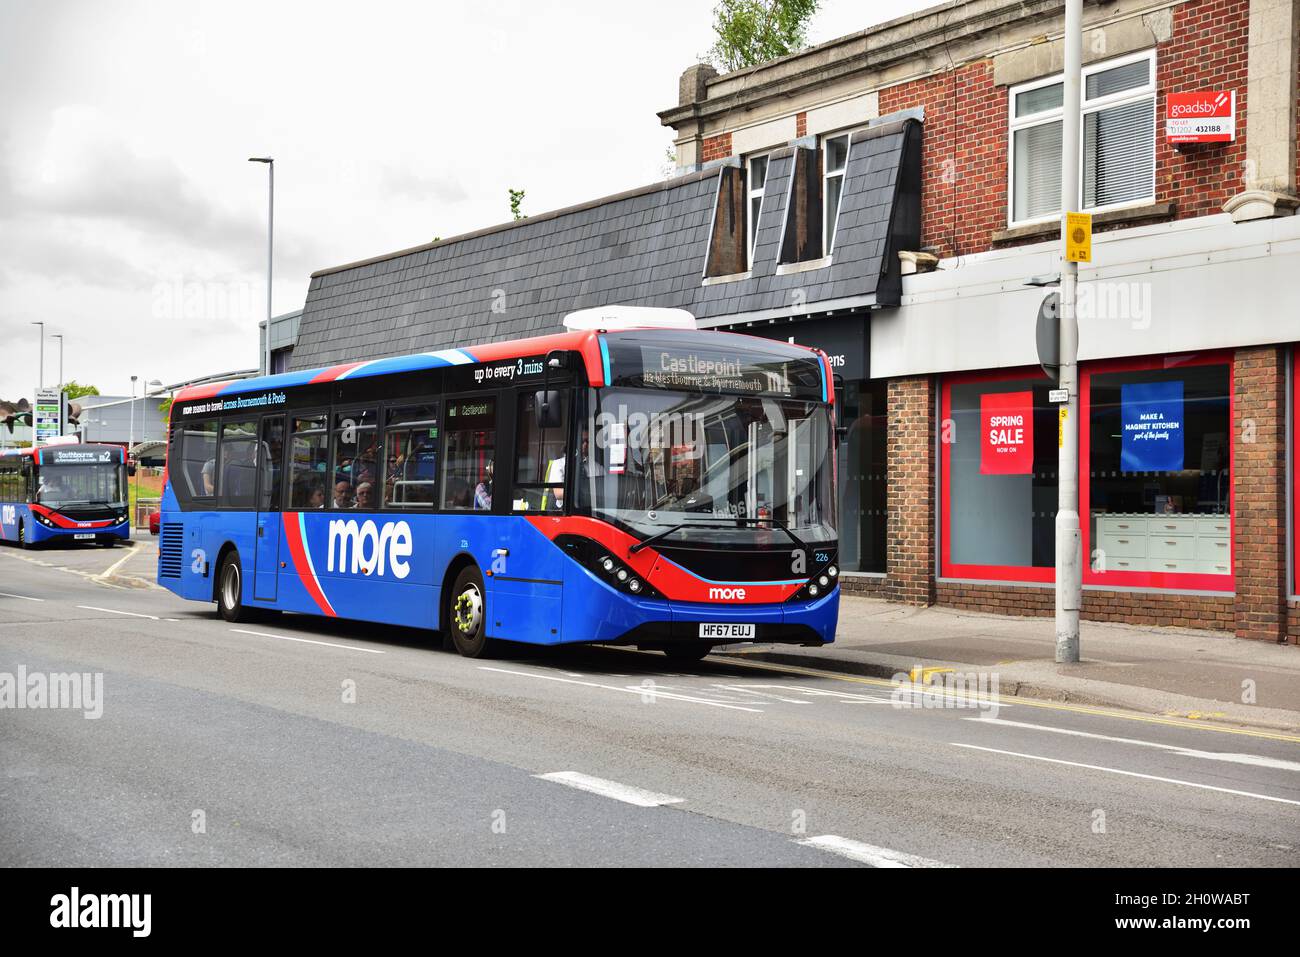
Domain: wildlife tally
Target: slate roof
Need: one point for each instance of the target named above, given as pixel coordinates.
(644, 247)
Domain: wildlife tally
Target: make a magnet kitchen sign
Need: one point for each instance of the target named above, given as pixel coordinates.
(1007, 433)
(1151, 425)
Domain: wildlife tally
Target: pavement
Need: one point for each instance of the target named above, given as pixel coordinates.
(1167, 671)
(305, 741)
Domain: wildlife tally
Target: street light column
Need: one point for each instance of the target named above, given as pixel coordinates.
(1069, 544)
(40, 375)
(270, 253)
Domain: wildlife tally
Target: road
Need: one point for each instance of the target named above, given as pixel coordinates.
(301, 741)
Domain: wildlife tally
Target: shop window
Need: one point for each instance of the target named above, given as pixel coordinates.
(1117, 100)
(468, 459)
(1158, 494)
(998, 456)
(862, 474)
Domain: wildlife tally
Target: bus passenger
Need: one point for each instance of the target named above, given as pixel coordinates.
(316, 495)
(483, 491)
(365, 496)
(343, 494)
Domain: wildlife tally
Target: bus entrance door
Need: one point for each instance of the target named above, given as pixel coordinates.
(270, 490)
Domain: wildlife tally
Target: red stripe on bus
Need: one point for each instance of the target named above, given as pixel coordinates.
(298, 555)
(675, 582)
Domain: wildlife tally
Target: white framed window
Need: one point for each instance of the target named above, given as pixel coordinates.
(835, 159)
(755, 183)
(1117, 140)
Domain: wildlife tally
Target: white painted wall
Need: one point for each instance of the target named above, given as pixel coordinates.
(1204, 283)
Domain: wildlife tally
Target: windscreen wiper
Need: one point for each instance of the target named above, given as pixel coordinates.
(724, 525)
(668, 531)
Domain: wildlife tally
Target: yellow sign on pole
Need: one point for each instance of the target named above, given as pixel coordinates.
(1078, 237)
(1061, 416)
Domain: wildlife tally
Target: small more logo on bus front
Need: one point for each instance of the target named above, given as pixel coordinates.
(9, 514)
(726, 594)
(369, 549)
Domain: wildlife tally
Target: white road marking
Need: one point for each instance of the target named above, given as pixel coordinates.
(652, 692)
(1254, 760)
(1129, 774)
(307, 641)
(610, 789)
(109, 572)
(868, 853)
(114, 611)
(5, 594)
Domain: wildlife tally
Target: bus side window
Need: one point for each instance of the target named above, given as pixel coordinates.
(198, 460)
(271, 457)
(307, 463)
(237, 486)
(411, 456)
(469, 452)
(541, 450)
(355, 471)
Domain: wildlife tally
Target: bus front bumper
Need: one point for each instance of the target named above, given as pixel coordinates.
(797, 623)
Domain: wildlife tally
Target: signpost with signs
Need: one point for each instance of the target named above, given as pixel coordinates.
(47, 416)
(1206, 117)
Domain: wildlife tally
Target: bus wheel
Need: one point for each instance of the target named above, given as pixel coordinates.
(687, 652)
(22, 535)
(230, 589)
(467, 615)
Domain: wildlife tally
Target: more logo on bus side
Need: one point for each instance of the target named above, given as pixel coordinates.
(9, 514)
(369, 548)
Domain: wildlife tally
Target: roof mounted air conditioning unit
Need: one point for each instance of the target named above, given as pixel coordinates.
(617, 318)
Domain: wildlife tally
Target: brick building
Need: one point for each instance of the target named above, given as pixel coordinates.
(1190, 298)
(893, 197)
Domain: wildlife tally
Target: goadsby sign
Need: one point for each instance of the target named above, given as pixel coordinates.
(1201, 117)
(1007, 433)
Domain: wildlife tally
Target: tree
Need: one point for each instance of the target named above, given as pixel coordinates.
(755, 31)
(76, 390)
(516, 200)
(165, 407)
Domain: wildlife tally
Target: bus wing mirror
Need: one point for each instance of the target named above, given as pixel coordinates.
(550, 409)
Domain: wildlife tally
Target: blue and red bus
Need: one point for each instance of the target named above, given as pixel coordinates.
(666, 488)
(70, 493)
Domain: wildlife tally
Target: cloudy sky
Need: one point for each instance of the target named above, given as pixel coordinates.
(131, 221)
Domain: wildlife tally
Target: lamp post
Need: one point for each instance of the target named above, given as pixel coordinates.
(270, 252)
(59, 336)
(40, 375)
(1069, 550)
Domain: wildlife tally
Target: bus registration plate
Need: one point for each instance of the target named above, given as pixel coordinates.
(727, 630)
(81, 536)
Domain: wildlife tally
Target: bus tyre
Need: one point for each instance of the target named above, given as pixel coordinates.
(687, 652)
(22, 535)
(230, 589)
(467, 615)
